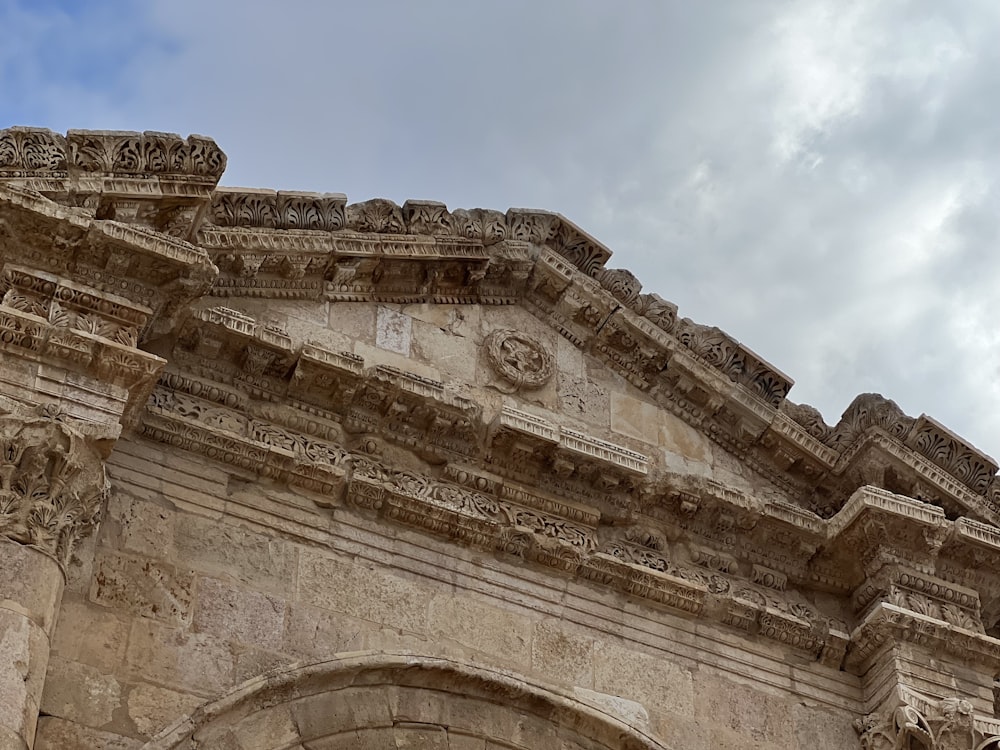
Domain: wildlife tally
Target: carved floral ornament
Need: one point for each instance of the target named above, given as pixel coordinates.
(519, 358)
(52, 483)
(925, 724)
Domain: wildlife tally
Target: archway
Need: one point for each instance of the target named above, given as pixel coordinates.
(390, 701)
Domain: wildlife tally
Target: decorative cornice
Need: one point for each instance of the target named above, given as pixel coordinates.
(159, 180)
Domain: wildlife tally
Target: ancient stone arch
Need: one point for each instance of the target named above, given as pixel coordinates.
(382, 700)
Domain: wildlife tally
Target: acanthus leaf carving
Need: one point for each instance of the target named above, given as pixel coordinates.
(52, 481)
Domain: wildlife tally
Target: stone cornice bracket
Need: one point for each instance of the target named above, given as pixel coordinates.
(156, 180)
(146, 268)
(52, 479)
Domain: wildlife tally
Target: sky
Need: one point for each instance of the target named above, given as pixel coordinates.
(818, 178)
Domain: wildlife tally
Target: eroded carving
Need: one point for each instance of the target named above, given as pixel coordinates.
(519, 358)
(52, 481)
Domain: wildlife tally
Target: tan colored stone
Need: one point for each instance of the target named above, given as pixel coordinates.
(373, 356)
(751, 713)
(454, 354)
(238, 613)
(197, 662)
(90, 635)
(818, 727)
(227, 549)
(314, 634)
(635, 418)
(55, 733)
(141, 586)
(657, 684)
(151, 707)
(268, 729)
(254, 662)
(23, 657)
(318, 715)
(138, 526)
(363, 592)
(30, 583)
(393, 331)
(680, 439)
(481, 627)
(559, 650)
(583, 400)
(801, 589)
(80, 693)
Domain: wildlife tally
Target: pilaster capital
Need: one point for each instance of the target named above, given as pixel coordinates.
(52, 478)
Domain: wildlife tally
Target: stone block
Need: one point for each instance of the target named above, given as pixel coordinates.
(30, 583)
(762, 717)
(635, 418)
(393, 331)
(373, 355)
(316, 634)
(583, 400)
(350, 708)
(659, 684)
(80, 693)
(817, 727)
(55, 733)
(137, 526)
(268, 729)
(151, 707)
(481, 627)
(24, 652)
(453, 355)
(363, 592)
(141, 586)
(563, 655)
(199, 663)
(238, 613)
(226, 549)
(90, 635)
(254, 662)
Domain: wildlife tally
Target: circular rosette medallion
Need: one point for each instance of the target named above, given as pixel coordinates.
(519, 358)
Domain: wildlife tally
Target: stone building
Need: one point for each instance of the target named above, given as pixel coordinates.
(279, 472)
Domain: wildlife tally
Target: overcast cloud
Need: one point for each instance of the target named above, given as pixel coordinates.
(817, 178)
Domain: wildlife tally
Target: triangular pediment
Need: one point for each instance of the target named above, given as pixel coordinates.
(317, 248)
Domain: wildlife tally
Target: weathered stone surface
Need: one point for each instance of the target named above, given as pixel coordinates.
(481, 627)
(141, 586)
(90, 635)
(364, 593)
(239, 614)
(55, 733)
(151, 707)
(80, 693)
(587, 521)
(30, 583)
(558, 650)
(197, 662)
